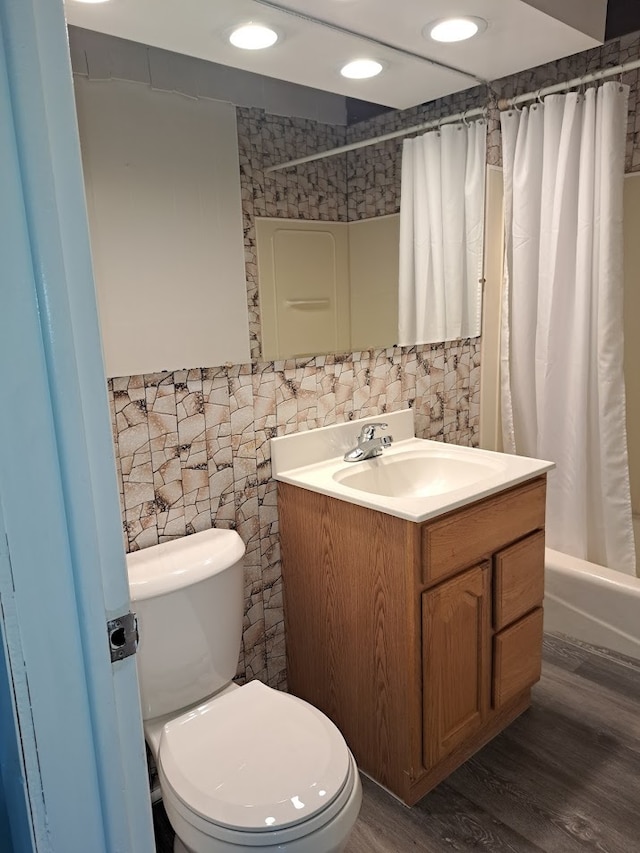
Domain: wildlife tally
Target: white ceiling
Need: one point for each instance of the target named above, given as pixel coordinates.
(519, 35)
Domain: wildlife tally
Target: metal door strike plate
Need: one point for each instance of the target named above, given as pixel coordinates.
(123, 636)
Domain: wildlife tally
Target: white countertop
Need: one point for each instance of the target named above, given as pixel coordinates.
(323, 449)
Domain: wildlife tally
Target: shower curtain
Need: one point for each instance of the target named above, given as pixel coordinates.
(562, 346)
(442, 234)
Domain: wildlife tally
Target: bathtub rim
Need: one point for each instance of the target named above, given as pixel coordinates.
(592, 603)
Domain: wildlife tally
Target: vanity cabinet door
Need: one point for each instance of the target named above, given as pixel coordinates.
(456, 664)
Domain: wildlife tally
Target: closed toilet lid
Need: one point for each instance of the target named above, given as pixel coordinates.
(254, 759)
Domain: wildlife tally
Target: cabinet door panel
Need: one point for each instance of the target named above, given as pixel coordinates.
(517, 658)
(456, 667)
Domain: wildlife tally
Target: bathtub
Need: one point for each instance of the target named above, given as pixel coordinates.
(592, 603)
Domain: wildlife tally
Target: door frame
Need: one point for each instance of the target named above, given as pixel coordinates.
(62, 562)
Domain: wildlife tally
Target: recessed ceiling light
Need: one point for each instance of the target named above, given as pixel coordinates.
(253, 37)
(455, 29)
(360, 69)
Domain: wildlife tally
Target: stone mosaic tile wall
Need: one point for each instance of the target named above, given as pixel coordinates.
(193, 450)
(373, 174)
(192, 447)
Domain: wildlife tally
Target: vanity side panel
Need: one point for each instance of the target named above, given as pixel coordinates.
(349, 621)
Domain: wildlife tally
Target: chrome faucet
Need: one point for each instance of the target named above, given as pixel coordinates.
(368, 444)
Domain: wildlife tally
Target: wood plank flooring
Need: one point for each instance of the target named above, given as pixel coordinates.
(563, 778)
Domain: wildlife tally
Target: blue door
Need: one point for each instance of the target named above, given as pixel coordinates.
(72, 764)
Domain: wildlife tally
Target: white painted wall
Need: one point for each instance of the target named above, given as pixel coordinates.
(490, 416)
(631, 337)
(163, 195)
(101, 57)
(588, 16)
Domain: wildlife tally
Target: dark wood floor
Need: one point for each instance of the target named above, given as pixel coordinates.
(563, 778)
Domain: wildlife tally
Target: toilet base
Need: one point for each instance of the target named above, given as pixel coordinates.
(178, 847)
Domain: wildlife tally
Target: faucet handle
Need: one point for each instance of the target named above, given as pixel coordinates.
(368, 431)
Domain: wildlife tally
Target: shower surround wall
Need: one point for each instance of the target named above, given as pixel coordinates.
(192, 446)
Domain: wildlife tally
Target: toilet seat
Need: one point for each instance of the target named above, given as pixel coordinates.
(208, 837)
(255, 762)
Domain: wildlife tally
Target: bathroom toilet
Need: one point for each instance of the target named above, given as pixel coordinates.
(242, 769)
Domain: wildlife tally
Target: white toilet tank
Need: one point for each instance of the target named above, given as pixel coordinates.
(189, 599)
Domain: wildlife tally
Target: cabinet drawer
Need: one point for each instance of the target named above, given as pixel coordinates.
(468, 536)
(517, 658)
(518, 580)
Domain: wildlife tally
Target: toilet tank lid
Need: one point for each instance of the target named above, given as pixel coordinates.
(165, 568)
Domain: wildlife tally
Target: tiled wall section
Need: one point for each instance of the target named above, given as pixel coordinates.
(373, 173)
(192, 446)
(193, 450)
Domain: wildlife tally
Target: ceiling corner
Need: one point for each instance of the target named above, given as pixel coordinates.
(586, 16)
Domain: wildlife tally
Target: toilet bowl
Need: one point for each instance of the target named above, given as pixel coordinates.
(258, 770)
(241, 768)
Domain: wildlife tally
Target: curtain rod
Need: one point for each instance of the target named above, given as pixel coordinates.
(503, 104)
(613, 71)
(427, 125)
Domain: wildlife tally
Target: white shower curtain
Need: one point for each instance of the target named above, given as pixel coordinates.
(442, 234)
(562, 346)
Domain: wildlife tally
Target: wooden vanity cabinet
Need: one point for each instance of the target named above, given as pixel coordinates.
(420, 641)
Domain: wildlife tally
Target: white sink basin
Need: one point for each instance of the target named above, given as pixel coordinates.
(417, 473)
(414, 478)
